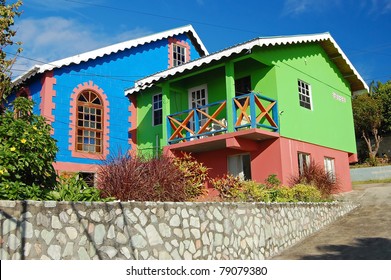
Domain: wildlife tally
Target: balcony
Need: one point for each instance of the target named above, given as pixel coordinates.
(250, 111)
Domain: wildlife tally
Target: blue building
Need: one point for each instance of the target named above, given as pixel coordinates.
(82, 96)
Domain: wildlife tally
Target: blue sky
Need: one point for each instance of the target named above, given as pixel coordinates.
(55, 29)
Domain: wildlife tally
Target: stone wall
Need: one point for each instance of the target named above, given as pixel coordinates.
(135, 230)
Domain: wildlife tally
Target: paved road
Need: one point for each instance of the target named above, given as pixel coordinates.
(364, 234)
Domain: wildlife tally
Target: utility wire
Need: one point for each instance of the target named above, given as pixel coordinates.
(161, 16)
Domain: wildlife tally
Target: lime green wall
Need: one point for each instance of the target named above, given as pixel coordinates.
(274, 73)
(330, 122)
(146, 132)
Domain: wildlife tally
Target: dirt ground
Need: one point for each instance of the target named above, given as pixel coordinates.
(363, 234)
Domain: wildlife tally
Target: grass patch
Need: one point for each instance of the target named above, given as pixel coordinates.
(388, 180)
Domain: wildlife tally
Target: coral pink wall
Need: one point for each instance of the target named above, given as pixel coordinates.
(266, 160)
(75, 167)
(171, 42)
(47, 93)
(277, 156)
(132, 140)
(290, 148)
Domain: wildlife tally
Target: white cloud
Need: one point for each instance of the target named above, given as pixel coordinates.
(296, 7)
(53, 38)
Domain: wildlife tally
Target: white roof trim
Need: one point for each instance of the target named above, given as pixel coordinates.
(261, 42)
(77, 59)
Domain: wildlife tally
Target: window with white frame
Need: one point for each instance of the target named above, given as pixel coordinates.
(178, 55)
(329, 168)
(198, 97)
(157, 109)
(305, 94)
(304, 161)
(240, 166)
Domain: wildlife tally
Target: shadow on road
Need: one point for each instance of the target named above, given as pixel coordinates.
(362, 249)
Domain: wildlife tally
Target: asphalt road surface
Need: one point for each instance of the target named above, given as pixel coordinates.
(363, 234)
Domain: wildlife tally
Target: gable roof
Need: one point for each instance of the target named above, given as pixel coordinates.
(331, 47)
(83, 57)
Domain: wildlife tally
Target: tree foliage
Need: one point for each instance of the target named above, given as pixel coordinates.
(367, 113)
(27, 152)
(8, 13)
(382, 92)
(372, 116)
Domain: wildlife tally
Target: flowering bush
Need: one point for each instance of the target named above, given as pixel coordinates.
(27, 152)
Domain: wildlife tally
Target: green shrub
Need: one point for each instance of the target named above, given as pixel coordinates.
(307, 193)
(195, 175)
(284, 194)
(27, 152)
(272, 181)
(74, 188)
(234, 189)
(300, 192)
(230, 188)
(254, 192)
(20, 191)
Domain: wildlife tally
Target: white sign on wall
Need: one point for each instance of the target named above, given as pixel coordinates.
(339, 97)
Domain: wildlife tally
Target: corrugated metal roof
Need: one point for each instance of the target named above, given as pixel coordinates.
(324, 39)
(77, 59)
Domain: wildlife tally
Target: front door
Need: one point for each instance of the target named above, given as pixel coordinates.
(198, 97)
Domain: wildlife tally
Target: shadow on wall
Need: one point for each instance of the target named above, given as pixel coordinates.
(362, 249)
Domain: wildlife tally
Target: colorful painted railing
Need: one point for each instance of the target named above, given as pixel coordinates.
(254, 110)
(197, 123)
(250, 111)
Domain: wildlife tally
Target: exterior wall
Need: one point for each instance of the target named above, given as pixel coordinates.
(111, 74)
(290, 149)
(265, 160)
(280, 157)
(330, 122)
(146, 231)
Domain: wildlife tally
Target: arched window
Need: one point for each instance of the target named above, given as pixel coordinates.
(89, 125)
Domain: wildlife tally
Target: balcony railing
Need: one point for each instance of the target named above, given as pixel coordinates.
(253, 110)
(250, 111)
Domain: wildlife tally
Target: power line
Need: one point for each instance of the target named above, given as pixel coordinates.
(162, 16)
